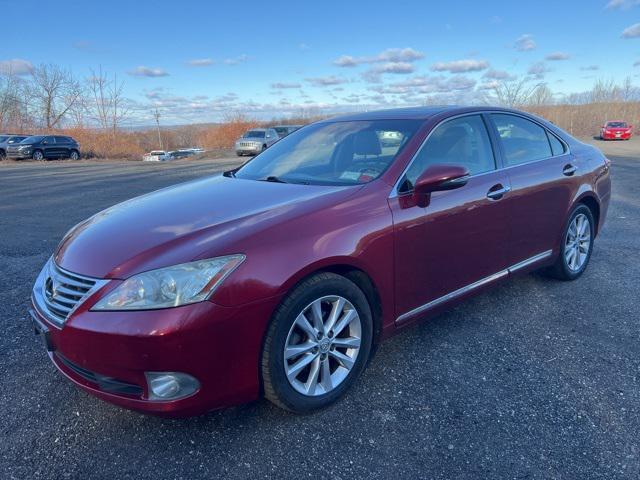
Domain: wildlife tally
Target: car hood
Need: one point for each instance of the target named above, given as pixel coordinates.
(193, 220)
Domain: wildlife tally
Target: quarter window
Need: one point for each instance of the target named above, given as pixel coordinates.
(462, 141)
(522, 140)
(557, 148)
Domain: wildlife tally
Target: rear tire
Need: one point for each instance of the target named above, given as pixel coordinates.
(303, 323)
(576, 246)
(3, 155)
(74, 155)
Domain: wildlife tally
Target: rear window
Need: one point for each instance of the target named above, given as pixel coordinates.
(522, 140)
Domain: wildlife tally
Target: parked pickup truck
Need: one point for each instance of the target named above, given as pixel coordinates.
(156, 156)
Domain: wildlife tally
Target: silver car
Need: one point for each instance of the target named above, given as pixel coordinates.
(255, 141)
(8, 140)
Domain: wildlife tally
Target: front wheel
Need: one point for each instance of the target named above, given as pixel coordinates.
(317, 344)
(37, 155)
(577, 245)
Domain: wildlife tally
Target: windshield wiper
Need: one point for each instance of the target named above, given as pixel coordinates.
(272, 178)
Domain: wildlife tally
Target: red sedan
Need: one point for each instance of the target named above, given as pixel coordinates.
(279, 278)
(616, 130)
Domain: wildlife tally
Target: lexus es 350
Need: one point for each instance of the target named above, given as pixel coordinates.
(280, 277)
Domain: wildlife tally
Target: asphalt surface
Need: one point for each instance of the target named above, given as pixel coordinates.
(535, 379)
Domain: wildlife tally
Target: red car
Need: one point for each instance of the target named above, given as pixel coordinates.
(280, 277)
(616, 130)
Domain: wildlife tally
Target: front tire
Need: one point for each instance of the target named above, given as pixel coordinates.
(577, 245)
(318, 343)
(38, 155)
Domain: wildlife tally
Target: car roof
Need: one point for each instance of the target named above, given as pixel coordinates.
(258, 129)
(417, 113)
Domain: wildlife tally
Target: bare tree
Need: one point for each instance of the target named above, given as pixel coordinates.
(54, 93)
(106, 103)
(515, 93)
(14, 114)
(541, 96)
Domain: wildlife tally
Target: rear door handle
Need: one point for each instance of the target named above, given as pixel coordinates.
(569, 170)
(497, 191)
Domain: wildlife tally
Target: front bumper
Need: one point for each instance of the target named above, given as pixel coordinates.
(613, 136)
(248, 149)
(108, 353)
(19, 154)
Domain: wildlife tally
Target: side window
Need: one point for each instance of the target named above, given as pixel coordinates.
(60, 140)
(557, 148)
(522, 140)
(49, 140)
(462, 141)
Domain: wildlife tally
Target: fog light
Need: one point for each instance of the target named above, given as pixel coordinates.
(170, 385)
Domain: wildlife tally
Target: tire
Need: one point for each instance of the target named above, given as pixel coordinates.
(288, 331)
(264, 147)
(74, 155)
(3, 155)
(38, 155)
(239, 154)
(570, 266)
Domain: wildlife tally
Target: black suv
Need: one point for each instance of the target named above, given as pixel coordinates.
(40, 147)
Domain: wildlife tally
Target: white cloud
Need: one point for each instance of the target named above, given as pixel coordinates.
(326, 81)
(621, 4)
(425, 84)
(143, 71)
(557, 56)
(538, 70)
(393, 55)
(16, 66)
(236, 60)
(525, 43)
(200, 62)
(497, 75)
(284, 85)
(631, 32)
(590, 68)
(304, 46)
(460, 66)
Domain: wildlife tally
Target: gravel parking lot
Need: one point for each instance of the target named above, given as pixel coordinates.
(535, 379)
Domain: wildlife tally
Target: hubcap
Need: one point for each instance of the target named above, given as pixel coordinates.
(576, 246)
(322, 345)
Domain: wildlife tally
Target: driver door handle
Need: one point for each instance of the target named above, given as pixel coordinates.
(569, 169)
(497, 191)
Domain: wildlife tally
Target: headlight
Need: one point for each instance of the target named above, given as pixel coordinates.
(171, 286)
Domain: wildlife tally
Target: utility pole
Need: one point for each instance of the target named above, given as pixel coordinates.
(156, 115)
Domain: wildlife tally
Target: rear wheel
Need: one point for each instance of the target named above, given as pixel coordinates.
(577, 245)
(74, 155)
(318, 343)
(2, 155)
(37, 155)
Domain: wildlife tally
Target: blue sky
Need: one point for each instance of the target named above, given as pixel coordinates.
(197, 61)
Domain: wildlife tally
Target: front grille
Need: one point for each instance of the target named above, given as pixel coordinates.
(58, 292)
(248, 144)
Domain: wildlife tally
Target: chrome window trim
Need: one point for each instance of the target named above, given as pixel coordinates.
(394, 191)
(472, 286)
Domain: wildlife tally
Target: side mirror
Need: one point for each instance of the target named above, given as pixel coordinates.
(438, 178)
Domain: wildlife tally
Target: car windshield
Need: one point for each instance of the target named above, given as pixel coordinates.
(281, 130)
(617, 124)
(254, 134)
(15, 139)
(337, 153)
(33, 139)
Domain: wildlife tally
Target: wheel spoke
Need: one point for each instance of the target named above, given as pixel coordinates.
(295, 350)
(326, 381)
(312, 381)
(316, 313)
(348, 342)
(344, 360)
(345, 320)
(296, 368)
(336, 310)
(306, 327)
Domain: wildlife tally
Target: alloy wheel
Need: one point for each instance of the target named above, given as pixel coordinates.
(577, 243)
(38, 155)
(322, 345)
